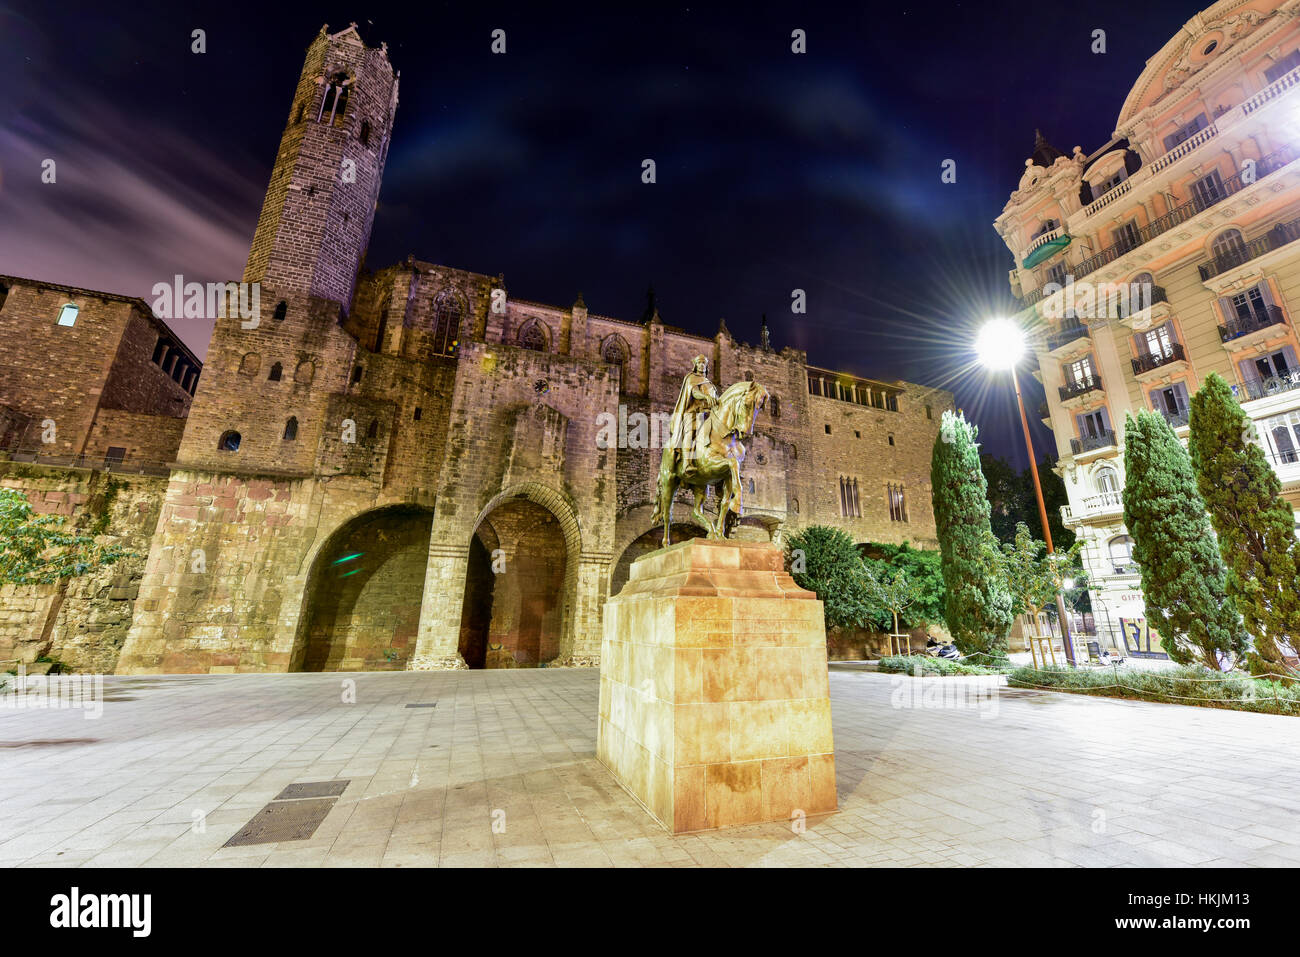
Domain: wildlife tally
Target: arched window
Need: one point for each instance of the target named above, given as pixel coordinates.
(291, 429)
(533, 336)
(447, 313)
(68, 315)
(1121, 554)
(776, 407)
(335, 101)
(229, 442)
(615, 352)
(281, 310)
(1228, 248)
(365, 133)
(794, 502)
(277, 372)
(373, 431)
(304, 373)
(249, 364)
(1106, 479)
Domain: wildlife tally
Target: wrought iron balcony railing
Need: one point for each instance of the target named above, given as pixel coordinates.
(1068, 333)
(1090, 443)
(1128, 305)
(1176, 419)
(1072, 390)
(1278, 236)
(1245, 325)
(1263, 388)
(1154, 360)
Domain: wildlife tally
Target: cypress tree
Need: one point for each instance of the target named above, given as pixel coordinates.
(1184, 581)
(1254, 524)
(977, 604)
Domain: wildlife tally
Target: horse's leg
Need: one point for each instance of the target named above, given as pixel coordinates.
(698, 513)
(667, 489)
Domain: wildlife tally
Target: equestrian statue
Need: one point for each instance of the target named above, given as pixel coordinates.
(705, 450)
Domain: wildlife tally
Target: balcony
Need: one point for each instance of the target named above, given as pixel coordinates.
(1235, 332)
(1176, 420)
(1071, 331)
(1106, 505)
(1275, 238)
(1137, 309)
(1079, 388)
(1180, 214)
(1254, 389)
(1156, 361)
(1093, 443)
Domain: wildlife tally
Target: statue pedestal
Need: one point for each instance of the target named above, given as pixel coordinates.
(714, 698)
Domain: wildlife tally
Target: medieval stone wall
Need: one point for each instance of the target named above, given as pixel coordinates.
(83, 621)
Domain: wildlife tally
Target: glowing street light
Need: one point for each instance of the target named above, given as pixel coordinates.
(1000, 346)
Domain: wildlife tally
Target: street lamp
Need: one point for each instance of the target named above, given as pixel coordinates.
(1000, 346)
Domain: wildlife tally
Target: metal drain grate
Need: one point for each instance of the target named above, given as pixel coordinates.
(312, 789)
(424, 705)
(283, 821)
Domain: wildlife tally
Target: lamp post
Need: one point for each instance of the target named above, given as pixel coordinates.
(1000, 346)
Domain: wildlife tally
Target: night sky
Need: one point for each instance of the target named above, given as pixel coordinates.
(776, 171)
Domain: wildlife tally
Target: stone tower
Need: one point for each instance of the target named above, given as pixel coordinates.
(315, 222)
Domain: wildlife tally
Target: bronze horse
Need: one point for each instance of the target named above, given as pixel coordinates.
(712, 459)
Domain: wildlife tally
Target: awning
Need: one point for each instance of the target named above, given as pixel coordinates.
(1046, 251)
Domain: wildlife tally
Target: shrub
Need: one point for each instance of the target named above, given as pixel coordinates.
(1189, 684)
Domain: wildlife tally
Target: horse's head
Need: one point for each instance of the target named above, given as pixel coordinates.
(738, 407)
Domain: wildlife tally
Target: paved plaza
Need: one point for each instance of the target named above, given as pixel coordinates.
(501, 771)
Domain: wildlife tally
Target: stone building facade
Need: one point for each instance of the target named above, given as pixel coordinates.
(1168, 253)
(409, 468)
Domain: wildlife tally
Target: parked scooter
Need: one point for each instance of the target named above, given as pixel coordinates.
(937, 649)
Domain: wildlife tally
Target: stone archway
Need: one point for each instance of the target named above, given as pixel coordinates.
(361, 608)
(517, 610)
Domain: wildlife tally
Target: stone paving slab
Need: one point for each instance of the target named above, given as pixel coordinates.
(503, 773)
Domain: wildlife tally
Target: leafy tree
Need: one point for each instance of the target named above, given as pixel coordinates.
(1184, 581)
(36, 549)
(1034, 577)
(923, 567)
(977, 605)
(825, 560)
(1254, 524)
(892, 590)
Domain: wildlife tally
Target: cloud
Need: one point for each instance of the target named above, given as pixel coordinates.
(133, 203)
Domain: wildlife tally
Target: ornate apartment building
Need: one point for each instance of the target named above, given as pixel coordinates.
(1169, 253)
(409, 467)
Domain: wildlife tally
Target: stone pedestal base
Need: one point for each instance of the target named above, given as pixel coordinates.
(714, 698)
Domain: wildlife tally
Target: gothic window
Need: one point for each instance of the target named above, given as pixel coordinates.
(291, 429)
(229, 442)
(356, 374)
(335, 101)
(533, 336)
(615, 352)
(447, 314)
(850, 504)
(776, 407)
(68, 315)
(794, 502)
(281, 310)
(365, 133)
(897, 503)
(277, 372)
